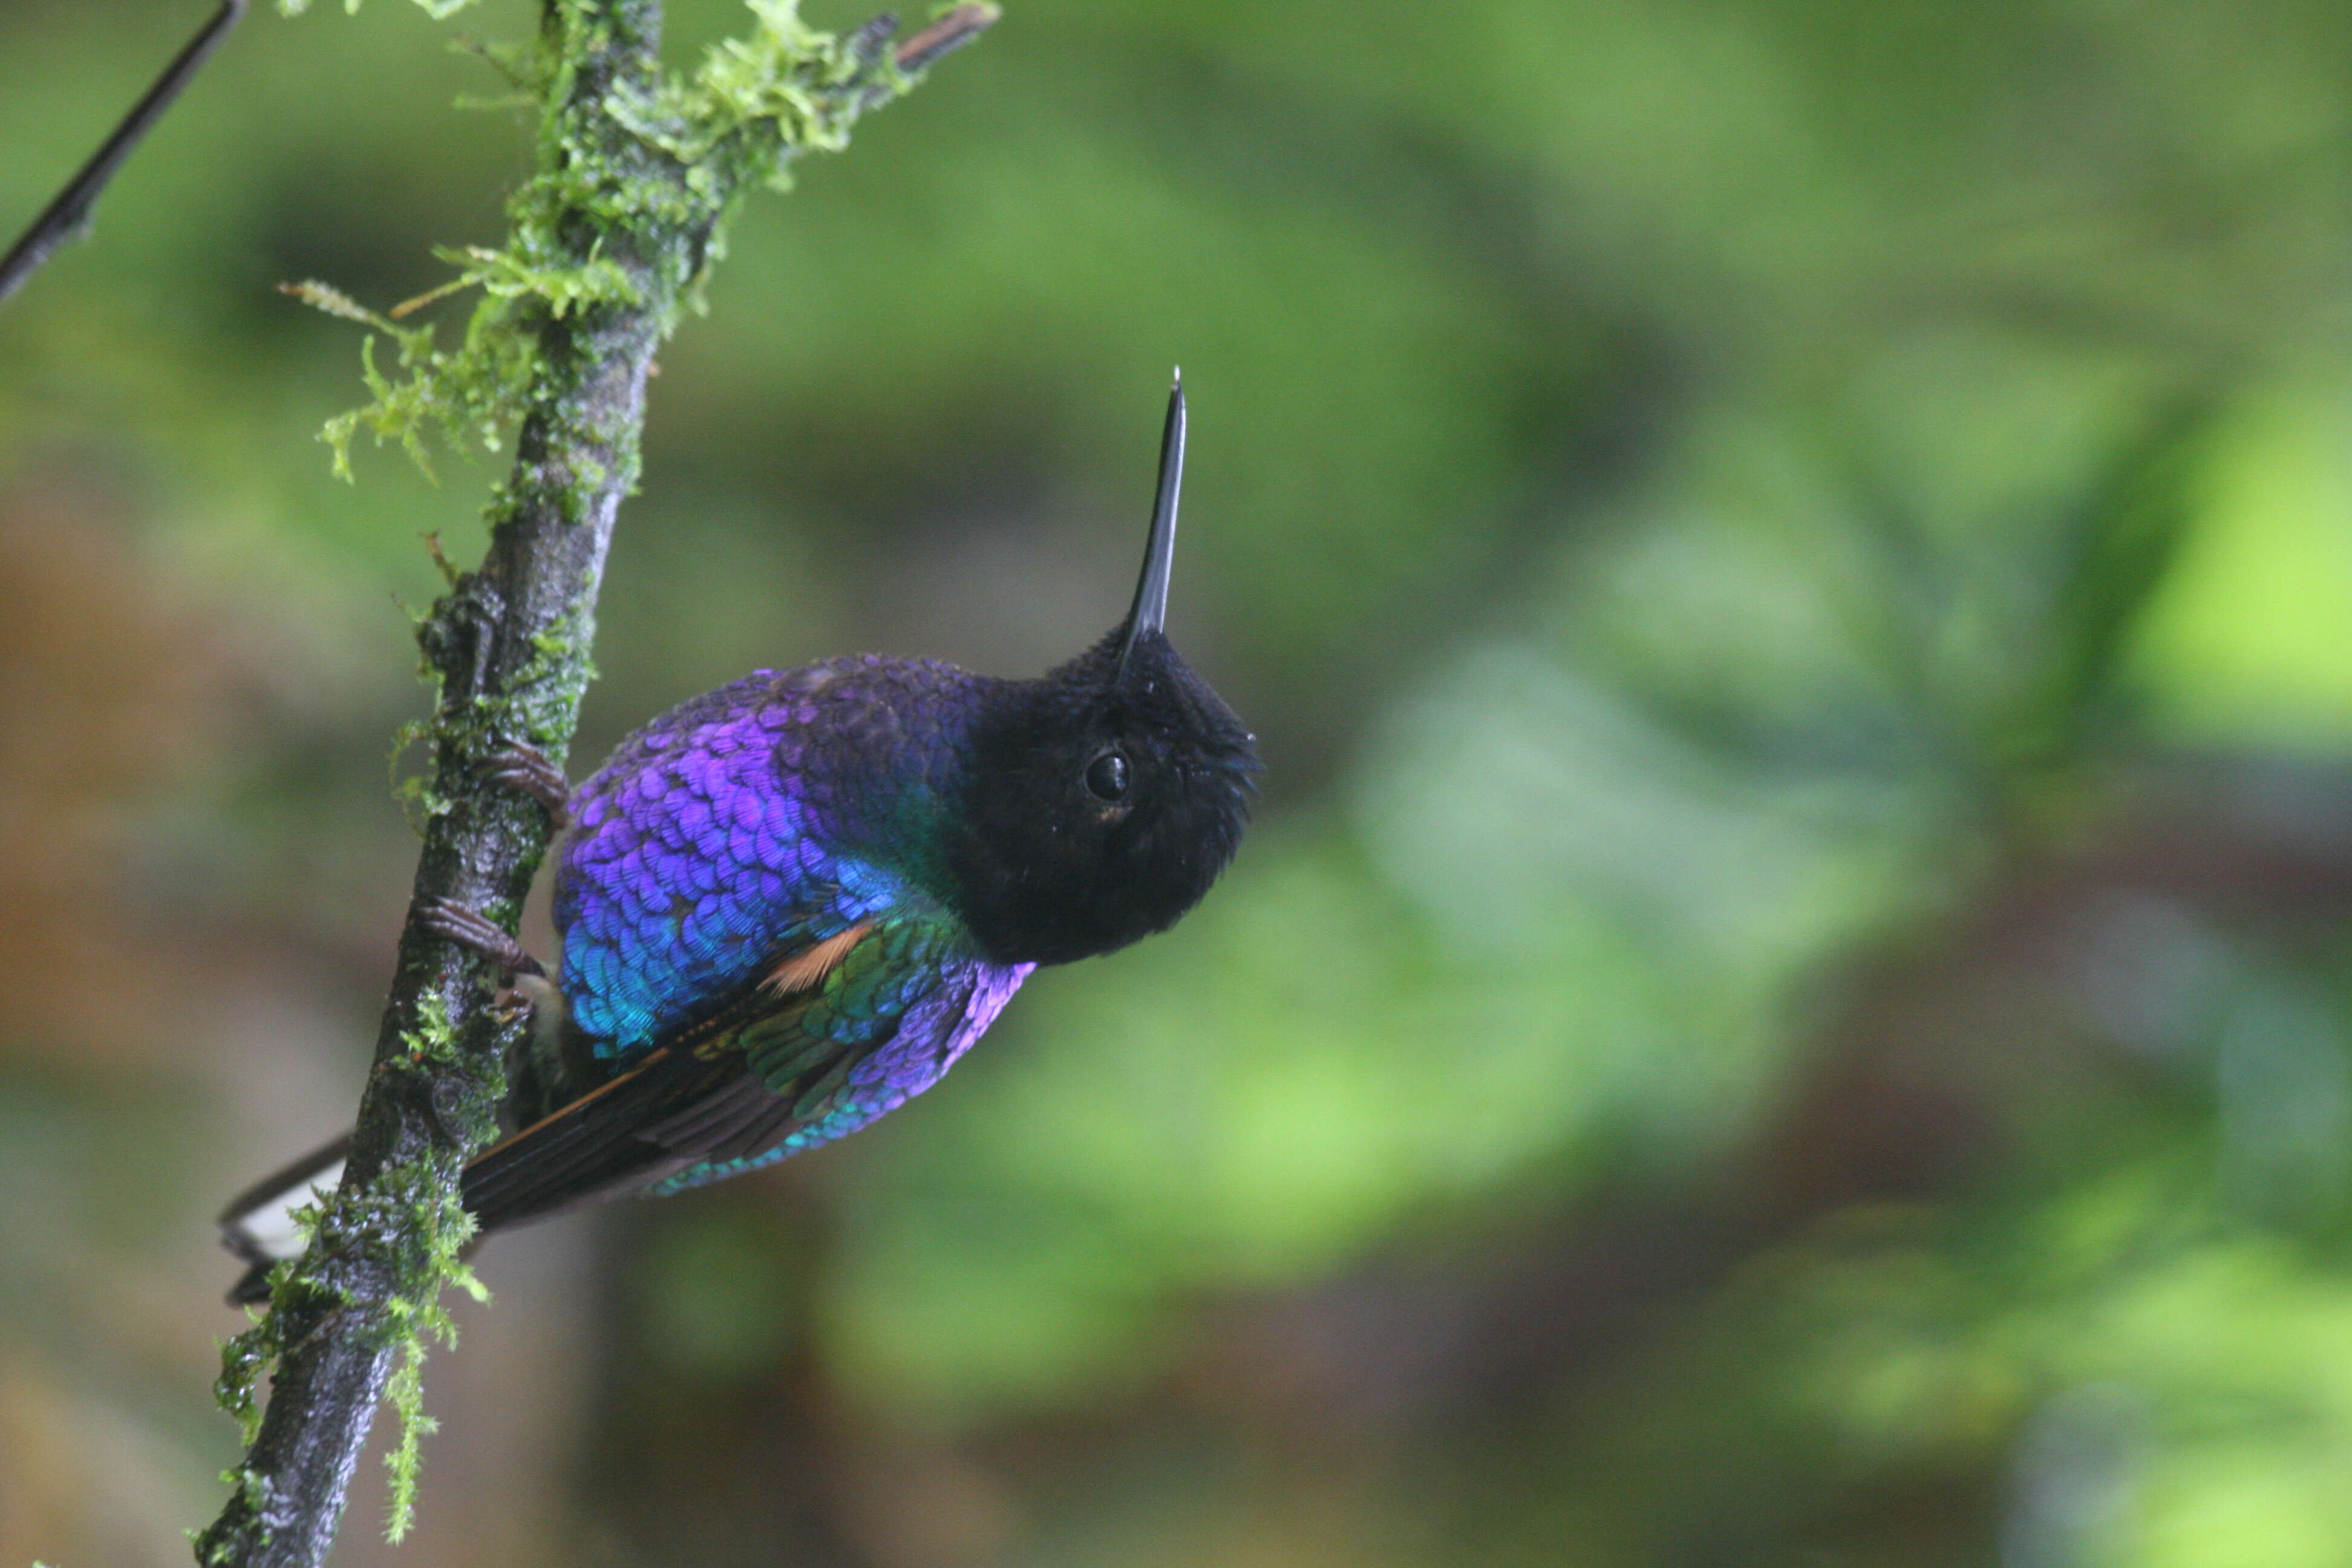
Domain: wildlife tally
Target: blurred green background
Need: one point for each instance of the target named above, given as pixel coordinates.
(1788, 1006)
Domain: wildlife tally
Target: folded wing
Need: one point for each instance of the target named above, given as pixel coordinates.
(831, 1037)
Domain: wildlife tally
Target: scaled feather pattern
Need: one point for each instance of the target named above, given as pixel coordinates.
(744, 823)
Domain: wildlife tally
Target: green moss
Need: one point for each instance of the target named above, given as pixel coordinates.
(779, 88)
(252, 1491)
(244, 1360)
(548, 689)
(419, 802)
(753, 103)
(471, 396)
(410, 1220)
(421, 1201)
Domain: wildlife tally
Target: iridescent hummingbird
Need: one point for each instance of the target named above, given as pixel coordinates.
(788, 905)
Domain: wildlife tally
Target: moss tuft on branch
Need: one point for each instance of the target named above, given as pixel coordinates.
(754, 103)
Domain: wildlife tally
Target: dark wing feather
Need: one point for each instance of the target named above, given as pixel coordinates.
(675, 1109)
(597, 1144)
(727, 1091)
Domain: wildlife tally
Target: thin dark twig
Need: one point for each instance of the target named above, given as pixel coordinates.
(66, 216)
(945, 35)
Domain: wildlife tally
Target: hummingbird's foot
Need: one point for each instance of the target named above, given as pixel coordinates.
(518, 764)
(473, 932)
(526, 997)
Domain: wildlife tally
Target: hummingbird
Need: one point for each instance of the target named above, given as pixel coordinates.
(787, 906)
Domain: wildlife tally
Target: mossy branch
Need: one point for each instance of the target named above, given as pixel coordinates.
(637, 174)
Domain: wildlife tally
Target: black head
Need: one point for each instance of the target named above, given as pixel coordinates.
(1106, 797)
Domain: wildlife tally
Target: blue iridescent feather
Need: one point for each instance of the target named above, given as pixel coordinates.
(746, 822)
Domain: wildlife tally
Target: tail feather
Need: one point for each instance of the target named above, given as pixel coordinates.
(672, 1111)
(604, 1142)
(258, 1225)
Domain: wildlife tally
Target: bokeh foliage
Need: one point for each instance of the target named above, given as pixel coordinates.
(1793, 561)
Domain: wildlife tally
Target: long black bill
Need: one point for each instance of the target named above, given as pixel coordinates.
(1149, 611)
(67, 215)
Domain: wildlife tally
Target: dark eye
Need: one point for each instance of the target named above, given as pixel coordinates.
(1107, 776)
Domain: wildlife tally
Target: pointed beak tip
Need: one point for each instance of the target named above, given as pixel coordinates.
(1149, 611)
